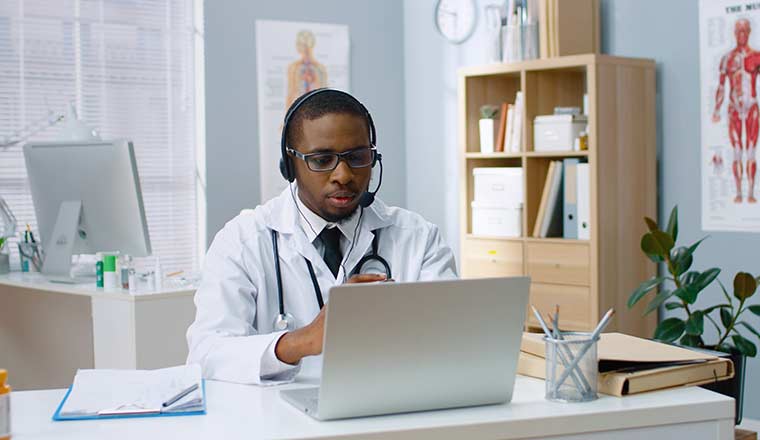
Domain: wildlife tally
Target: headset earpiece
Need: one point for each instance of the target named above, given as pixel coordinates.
(286, 170)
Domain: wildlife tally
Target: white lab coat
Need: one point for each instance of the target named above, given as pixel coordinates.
(236, 303)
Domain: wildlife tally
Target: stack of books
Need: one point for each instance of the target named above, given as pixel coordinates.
(631, 365)
(509, 136)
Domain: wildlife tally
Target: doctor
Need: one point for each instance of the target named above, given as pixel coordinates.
(269, 271)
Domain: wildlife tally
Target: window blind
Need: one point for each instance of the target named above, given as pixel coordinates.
(131, 68)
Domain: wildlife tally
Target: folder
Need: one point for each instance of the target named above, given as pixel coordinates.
(108, 394)
(570, 199)
(542, 206)
(551, 223)
(583, 189)
(631, 365)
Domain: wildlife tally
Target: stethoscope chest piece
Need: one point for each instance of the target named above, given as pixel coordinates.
(284, 321)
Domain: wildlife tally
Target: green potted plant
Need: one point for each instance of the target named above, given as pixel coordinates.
(679, 290)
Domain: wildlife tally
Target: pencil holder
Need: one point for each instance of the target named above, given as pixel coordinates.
(571, 367)
(31, 257)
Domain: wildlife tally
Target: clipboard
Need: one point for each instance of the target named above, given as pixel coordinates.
(57, 417)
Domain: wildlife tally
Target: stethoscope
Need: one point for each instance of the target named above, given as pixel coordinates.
(286, 321)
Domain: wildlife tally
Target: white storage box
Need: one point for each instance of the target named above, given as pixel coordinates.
(503, 185)
(496, 220)
(557, 132)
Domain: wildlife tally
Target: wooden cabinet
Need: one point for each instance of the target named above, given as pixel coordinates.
(584, 277)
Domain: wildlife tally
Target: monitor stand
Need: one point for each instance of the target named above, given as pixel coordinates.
(60, 244)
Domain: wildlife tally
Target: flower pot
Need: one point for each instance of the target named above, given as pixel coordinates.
(733, 387)
(5, 263)
(486, 135)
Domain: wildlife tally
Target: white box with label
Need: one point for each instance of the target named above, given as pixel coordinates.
(496, 220)
(498, 185)
(557, 132)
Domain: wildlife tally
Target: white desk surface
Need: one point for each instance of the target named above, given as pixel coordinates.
(33, 280)
(251, 412)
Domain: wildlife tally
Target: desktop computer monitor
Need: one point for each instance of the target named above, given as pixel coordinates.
(87, 199)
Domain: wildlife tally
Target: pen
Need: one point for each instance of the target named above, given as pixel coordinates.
(580, 382)
(592, 339)
(181, 394)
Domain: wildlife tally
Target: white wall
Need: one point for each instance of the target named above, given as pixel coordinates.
(377, 60)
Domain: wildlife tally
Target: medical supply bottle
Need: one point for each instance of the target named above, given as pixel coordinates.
(5, 407)
(110, 277)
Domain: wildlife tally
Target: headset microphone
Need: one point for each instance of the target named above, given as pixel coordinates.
(367, 198)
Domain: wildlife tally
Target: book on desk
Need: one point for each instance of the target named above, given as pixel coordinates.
(631, 365)
(105, 394)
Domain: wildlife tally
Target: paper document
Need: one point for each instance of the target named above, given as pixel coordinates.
(113, 392)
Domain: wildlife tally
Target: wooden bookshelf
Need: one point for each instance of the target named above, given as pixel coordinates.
(585, 277)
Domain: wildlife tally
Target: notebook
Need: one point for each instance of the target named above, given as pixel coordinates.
(103, 394)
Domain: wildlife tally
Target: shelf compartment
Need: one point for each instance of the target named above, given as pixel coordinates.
(546, 89)
(487, 90)
(471, 164)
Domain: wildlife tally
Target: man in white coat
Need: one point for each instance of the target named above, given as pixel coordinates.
(268, 272)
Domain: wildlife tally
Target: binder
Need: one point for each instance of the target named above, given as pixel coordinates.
(570, 199)
(542, 206)
(551, 224)
(110, 394)
(583, 189)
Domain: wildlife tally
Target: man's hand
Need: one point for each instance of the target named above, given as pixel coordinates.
(307, 341)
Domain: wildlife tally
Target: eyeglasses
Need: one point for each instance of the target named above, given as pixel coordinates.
(323, 162)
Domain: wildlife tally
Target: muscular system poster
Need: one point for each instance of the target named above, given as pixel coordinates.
(729, 33)
(292, 58)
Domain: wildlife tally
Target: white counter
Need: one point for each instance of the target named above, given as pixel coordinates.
(250, 412)
(49, 330)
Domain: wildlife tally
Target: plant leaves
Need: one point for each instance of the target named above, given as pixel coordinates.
(652, 249)
(745, 285)
(725, 317)
(651, 224)
(755, 309)
(657, 301)
(723, 289)
(719, 306)
(687, 294)
(643, 289)
(744, 345)
(682, 259)
(673, 223)
(705, 278)
(691, 341)
(674, 305)
(694, 247)
(695, 326)
(669, 330)
(749, 327)
(665, 241)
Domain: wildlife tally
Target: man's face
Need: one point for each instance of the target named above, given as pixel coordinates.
(334, 195)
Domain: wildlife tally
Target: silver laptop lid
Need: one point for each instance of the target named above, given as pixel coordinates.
(399, 347)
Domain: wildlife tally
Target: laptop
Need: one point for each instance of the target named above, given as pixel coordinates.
(402, 347)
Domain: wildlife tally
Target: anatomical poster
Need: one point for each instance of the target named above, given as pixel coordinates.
(292, 58)
(729, 36)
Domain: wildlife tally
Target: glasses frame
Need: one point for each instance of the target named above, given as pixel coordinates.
(340, 156)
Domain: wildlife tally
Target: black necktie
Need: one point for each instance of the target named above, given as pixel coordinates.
(333, 257)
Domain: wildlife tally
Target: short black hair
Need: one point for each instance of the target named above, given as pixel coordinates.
(321, 104)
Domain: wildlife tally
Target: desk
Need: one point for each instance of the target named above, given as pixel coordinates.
(250, 412)
(49, 330)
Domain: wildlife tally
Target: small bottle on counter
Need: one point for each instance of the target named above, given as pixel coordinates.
(110, 278)
(5, 406)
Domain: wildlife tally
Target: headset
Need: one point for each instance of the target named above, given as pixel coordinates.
(285, 321)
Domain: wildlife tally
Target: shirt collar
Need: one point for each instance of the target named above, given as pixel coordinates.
(312, 224)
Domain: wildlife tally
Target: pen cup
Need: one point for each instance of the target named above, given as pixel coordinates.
(572, 368)
(30, 255)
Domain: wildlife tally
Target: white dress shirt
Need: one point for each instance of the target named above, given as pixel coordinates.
(233, 337)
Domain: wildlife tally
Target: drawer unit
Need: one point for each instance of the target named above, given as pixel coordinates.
(483, 258)
(559, 263)
(574, 305)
